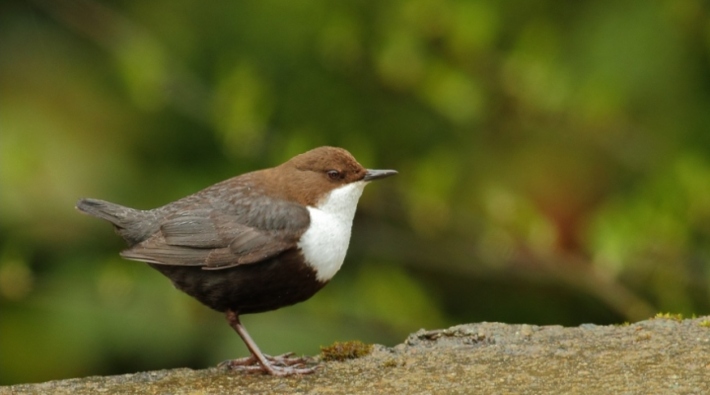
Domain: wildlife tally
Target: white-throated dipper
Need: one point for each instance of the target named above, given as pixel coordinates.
(253, 243)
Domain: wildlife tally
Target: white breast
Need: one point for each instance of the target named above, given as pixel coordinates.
(326, 241)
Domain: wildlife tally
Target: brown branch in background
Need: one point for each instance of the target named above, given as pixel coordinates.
(459, 257)
(579, 273)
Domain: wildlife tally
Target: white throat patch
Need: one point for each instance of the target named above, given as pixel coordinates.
(326, 241)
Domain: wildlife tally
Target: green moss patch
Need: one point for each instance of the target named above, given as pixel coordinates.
(340, 351)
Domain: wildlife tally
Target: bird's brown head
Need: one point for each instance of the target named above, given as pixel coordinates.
(308, 177)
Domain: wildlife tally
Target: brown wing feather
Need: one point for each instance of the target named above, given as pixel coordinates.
(215, 240)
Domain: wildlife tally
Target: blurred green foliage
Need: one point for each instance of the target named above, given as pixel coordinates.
(554, 164)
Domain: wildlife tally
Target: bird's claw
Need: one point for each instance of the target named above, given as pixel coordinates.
(280, 365)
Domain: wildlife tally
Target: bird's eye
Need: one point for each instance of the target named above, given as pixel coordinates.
(334, 174)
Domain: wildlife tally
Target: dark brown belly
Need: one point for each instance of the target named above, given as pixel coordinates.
(252, 288)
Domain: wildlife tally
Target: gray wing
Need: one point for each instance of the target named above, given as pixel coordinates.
(214, 239)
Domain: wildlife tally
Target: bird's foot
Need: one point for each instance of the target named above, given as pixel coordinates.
(280, 365)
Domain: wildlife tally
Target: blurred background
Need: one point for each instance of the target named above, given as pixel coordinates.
(554, 165)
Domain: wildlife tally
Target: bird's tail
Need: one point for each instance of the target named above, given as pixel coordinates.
(130, 223)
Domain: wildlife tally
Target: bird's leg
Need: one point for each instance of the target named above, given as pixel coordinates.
(280, 365)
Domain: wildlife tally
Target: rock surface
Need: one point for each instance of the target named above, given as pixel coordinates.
(658, 356)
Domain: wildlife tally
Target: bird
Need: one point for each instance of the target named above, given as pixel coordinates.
(253, 243)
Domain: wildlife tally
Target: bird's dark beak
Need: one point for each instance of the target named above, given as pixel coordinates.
(377, 174)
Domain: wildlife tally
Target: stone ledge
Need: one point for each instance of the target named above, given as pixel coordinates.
(657, 356)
